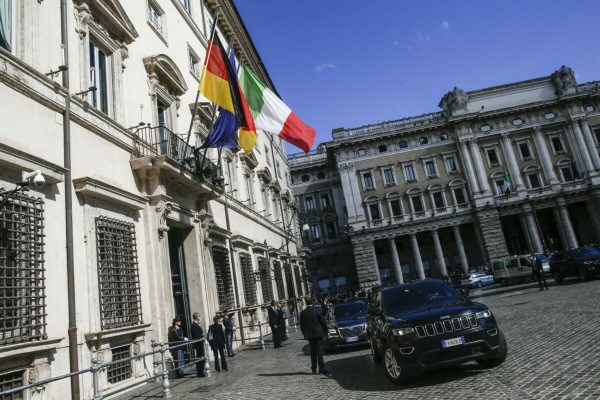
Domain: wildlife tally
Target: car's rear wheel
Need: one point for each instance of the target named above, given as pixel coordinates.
(584, 274)
(498, 358)
(557, 278)
(393, 370)
(479, 284)
(375, 353)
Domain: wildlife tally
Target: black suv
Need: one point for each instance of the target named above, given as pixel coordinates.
(583, 262)
(347, 325)
(428, 324)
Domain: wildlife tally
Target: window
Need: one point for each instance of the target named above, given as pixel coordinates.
(368, 183)
(388, 177)
(557, 144)
(279, 279)
(525, 151)
(423, 140)
(417, 204)
(549, 115)
(320, 175)
(438, 200)
(362, 152)
(187, 4)
(118, 277)
(485, 128)
(518, 122)
(395, 208)
(403, 144)
(120, 371)
(430, 169)
(309, 203)
(265, 279)
(249, 189)
(534, 180)
(374, 211)
(330, 229)
(22, 272)
(451, 166)
(382, 148)
(155, 16)
(492, 157)
(409, 173)
(590, 108)
(443, 137)
(267, 156)
(325, 200)
(248, 280)
(500, 187)
(194, 64)
(98, 78)
(305, 178)
(231, 178)
(315, 233)
(459, 195)
(7, 28)
(278, 169)
(223, 277)
(566, 170)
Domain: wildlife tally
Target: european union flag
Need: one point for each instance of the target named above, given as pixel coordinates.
(223, 132)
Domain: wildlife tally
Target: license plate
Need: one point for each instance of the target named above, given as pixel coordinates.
(453, 342)
(352, 339)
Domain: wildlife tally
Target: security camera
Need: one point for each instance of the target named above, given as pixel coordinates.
(34, 178)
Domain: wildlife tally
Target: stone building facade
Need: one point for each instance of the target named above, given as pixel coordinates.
(507, 170)
(158, 229)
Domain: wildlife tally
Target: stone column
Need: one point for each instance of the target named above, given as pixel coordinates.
(479, 168)
(351, 192)
(534, 235)
(461, 248)
(587, 134)
(469, 168)
(583, 150)
(396, 260)
(365, 258)
(439, 255)
(417, 255)
(565, 219)
(542, 149)
(511, 160)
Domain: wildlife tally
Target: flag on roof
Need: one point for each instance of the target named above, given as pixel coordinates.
(273, 115)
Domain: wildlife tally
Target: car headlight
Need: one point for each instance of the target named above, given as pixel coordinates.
(402, 331)
(588, 262)
(332, 332)
(483, 314)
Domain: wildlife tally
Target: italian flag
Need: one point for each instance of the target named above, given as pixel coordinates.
(506, 184)
(273, 115)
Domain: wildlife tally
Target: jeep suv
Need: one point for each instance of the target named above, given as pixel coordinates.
(583, 262)
(426, 325)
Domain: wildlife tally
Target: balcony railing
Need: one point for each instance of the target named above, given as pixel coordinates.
(539, 191)
(503, 198)
(159, 140)
(573, 185)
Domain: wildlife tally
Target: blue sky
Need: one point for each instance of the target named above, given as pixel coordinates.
(351, 63)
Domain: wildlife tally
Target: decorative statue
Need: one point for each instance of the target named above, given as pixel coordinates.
(564, 80)
(454, 100)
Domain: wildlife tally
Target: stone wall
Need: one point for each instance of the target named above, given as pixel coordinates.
(492, 235)
(366, 263)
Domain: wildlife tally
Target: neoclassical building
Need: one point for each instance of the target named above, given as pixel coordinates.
(132, 226)
(500, 171)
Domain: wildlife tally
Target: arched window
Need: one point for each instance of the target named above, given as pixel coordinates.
(501, 186)
(566, 169)
(415, 199)
(395, 208)
(437, 197)
(533, 177)
(459, 193)
(373, 208)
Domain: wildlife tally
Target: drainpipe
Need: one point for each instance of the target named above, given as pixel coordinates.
(73, 353)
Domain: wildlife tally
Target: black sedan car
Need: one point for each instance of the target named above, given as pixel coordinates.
(583, 262)
(347, 324)
(426, 325)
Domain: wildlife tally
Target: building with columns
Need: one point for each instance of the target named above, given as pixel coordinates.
(506, 170)
(133, 225)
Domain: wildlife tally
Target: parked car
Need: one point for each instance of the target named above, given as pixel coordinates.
(545, 262)
(347, 325)
(428, 324)
(478, 280)
(512, 269)
(583, 262)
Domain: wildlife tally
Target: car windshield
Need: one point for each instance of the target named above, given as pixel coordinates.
(408, 297)
(350, 311)
(586, 251)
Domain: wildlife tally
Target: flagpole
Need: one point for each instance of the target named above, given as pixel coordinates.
(213, 30)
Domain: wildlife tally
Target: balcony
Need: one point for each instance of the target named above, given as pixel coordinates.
(506, 198)
(159, 141)
(538, 192)
(573, 186)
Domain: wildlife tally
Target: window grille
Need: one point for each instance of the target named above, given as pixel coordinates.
(120, 371)
(279, 279)
(265, 280)
(22, 282)
(118, 277)
(248, 279)
(11, 380)
(223, 277)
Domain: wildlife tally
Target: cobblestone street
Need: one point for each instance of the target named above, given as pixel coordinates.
(554, 353)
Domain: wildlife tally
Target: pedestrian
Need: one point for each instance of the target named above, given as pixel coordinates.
(175, 338)
(216, 340)
(282, 321)
(274, 324)
(538, 272)
(324, 306)
(228, 324)
(314, 329)
(198, 333)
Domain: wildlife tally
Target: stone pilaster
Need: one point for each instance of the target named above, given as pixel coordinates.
(480, 169)
(542, 149)
(366, 262)
(491, 231)
(513, 166)
(466, 157)
(589, 139)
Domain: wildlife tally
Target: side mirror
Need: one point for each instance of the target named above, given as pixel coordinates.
(464, 291)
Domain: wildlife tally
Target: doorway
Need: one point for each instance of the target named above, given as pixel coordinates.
(181, 301)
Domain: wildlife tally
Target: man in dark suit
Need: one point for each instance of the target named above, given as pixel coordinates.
(282, 322)
(274, 324)
(216, 339)
(314, 329)
(198, 333)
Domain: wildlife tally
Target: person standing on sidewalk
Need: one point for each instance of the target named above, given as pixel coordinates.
(175, 337)
(314, 329)
(229, 331)
(282, 321)
(538, 271)
(216, 340)
(198, 333)
(274, 324)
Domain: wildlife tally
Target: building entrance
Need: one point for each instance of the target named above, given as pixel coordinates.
(181, 302)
